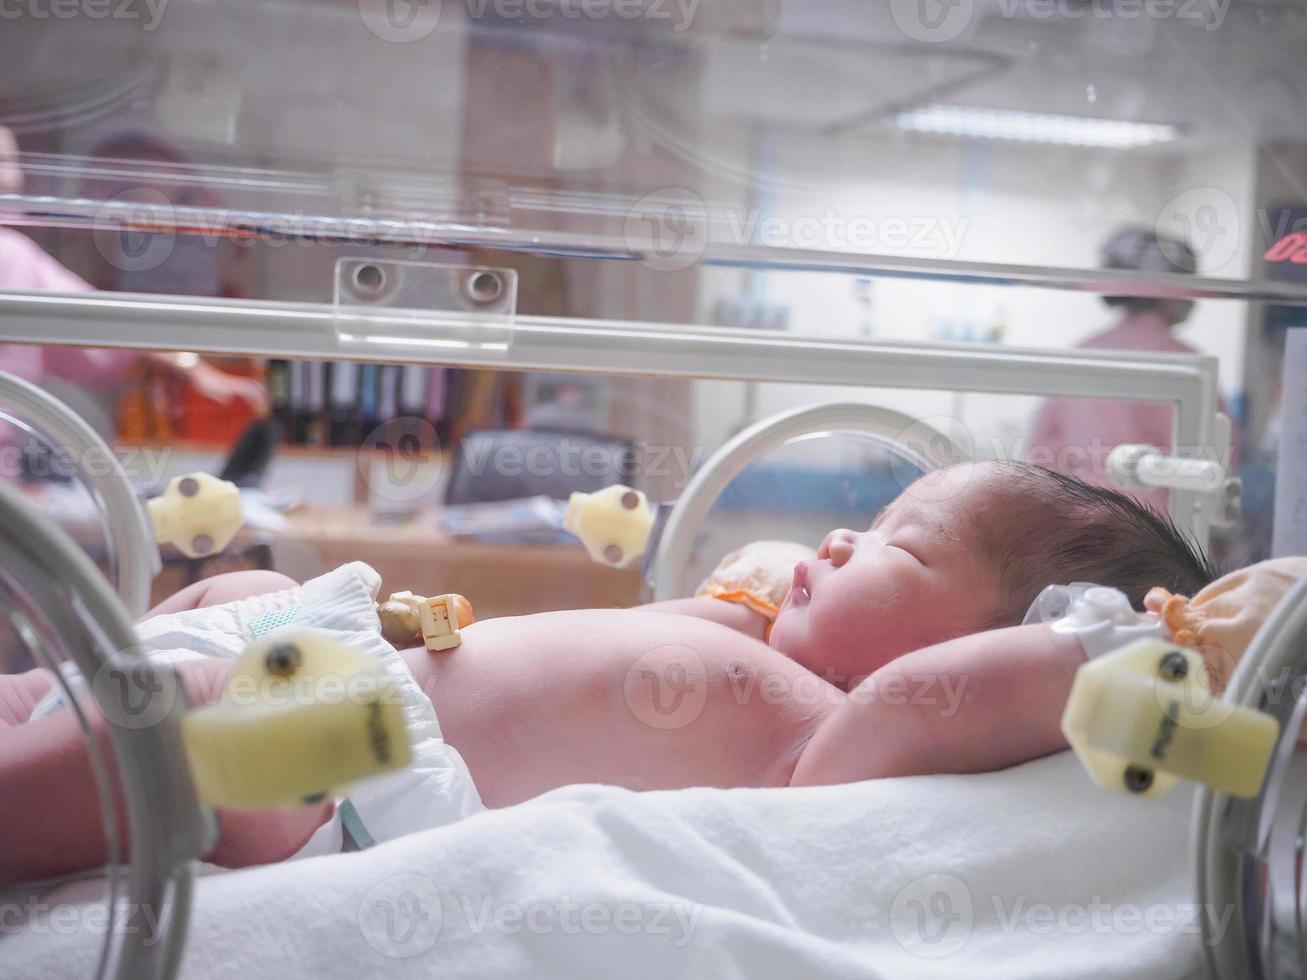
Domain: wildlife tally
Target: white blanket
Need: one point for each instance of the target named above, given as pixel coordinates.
(1026, 873)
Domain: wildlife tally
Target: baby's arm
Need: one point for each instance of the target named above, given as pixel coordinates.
(733, 615)
(218, 589)
(974, 704)
(755, 577)
(50, 817)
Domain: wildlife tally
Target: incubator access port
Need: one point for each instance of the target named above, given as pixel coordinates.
(198, 514)
(301, 717)
(614, 524)
(1143, 717)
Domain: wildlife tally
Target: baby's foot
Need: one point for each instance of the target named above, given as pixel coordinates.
(20, 694)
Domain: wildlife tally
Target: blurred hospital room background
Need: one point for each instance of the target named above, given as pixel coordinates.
(761, 146)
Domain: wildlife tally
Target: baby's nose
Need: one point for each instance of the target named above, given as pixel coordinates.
(839, 546)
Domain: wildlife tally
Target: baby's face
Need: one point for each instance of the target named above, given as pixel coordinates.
(912, 579)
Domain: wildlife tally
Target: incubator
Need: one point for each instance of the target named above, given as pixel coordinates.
(740, 271)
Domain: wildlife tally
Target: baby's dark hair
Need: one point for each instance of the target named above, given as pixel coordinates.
(1058, 529)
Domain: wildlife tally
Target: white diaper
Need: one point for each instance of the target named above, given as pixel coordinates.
(435, 789)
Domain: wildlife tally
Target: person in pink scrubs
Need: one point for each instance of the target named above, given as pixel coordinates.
(100, 373)
(1075, 435)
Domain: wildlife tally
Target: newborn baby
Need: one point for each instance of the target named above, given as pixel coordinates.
(896, 652)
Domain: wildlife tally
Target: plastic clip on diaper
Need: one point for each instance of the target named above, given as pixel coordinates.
(613, 523)
(1141, 714)
(302, 716)
(198, 514)
(442, 618)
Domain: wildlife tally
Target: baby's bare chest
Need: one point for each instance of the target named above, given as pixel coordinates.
(639, 699)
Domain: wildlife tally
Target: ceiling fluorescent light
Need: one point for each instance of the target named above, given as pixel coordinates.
(1033, 127)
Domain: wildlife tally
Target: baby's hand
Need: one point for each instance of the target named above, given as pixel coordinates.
(1221, 620)
(758, 575)
(1180, 620)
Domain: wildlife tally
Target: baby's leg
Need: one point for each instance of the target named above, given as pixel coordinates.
(223, 588)
(20, 693)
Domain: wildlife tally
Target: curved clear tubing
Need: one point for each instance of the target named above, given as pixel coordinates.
(81, 617)
(131, 535)
(930, 450)
(1249, 882)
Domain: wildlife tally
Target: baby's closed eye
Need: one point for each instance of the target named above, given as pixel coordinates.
(910, 550)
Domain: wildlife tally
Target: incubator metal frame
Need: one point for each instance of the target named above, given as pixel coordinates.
(165, 810)
(930, 450)
(67, 612)
(308, 330)
(1249, 851)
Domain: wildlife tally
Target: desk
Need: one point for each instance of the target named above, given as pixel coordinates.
(499, 580)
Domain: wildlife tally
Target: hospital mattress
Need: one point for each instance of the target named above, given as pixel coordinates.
(1027, 873)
